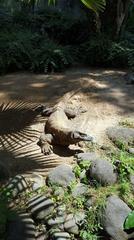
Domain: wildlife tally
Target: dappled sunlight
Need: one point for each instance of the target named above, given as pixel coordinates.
(104, 85)
(104, 93)
(37, 85)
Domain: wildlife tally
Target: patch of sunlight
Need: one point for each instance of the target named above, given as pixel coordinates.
(38, 85)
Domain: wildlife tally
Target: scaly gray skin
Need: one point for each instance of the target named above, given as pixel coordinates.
(59, 130)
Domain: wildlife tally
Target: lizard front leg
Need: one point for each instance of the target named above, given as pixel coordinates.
(45, 142)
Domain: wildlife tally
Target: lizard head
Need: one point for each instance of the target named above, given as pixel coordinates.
(79, 136)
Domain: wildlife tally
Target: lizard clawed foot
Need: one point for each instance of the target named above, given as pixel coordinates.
(46, 149)
(44, 110)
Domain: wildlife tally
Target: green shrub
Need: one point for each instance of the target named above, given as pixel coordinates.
(131, 58)
(101, 51)
(16, 50)
(6, 20)
(96, 51)
(50, 57)
(118, 55)
(23, 50)
(52, 40)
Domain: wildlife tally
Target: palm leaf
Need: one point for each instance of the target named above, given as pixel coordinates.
(16, 119)
(95, 5)
(19, 133)
(16, 116)
(51, 2)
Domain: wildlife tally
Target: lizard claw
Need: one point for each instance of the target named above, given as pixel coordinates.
(46, 149)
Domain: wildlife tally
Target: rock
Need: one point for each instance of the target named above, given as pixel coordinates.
(89, 203)
(125, 135)
(131, 150)
(61, 175)
(114, 216)
(42, 233)
(59, 192)
(102, 171)
(79, 217)
(89, 156)
(70, 225)
(55, 221)
(38, 181)
(132, 181)
(42, 236)
(21, 227)
(40, 206)
(17, 185)
(61, 209)
(61, 238)
(79, 189)
(60, 235)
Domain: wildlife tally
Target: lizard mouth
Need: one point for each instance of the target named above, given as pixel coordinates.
(86, 138)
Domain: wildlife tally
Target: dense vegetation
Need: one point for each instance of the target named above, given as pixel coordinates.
(46, 40)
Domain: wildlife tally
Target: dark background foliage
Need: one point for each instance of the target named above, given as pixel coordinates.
(45, 39)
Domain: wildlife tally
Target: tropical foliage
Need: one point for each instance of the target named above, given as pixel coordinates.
(25, 50)
(129, 222)
(44, 40)
(95, 5)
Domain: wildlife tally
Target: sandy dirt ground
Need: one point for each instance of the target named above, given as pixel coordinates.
(104, 93)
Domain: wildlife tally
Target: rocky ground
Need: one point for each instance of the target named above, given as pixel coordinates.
(91, 199)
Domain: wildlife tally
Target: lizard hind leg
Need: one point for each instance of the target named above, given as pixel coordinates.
(74, 112)
(45, 143)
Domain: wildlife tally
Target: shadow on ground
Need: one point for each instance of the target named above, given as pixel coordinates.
(104, 92)
(20, 128)
(107, 86)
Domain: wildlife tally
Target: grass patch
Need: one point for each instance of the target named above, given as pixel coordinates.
(127, 123)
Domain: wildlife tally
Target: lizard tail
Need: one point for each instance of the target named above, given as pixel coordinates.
(66, 98)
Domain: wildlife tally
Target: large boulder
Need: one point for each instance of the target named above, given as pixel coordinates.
(132, 181)
(70, 224)
(102, 171)
(59, 235)
(61, 175)
(125, 135)
(114, 216)
(40, 206)
(79, 190)
(89, 156)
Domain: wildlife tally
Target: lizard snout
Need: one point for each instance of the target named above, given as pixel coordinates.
(82, 136)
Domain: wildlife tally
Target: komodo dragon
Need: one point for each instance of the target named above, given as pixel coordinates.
(59, 130)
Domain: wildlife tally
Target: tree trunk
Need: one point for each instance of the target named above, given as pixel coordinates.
(122, 14)
(114, 17)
